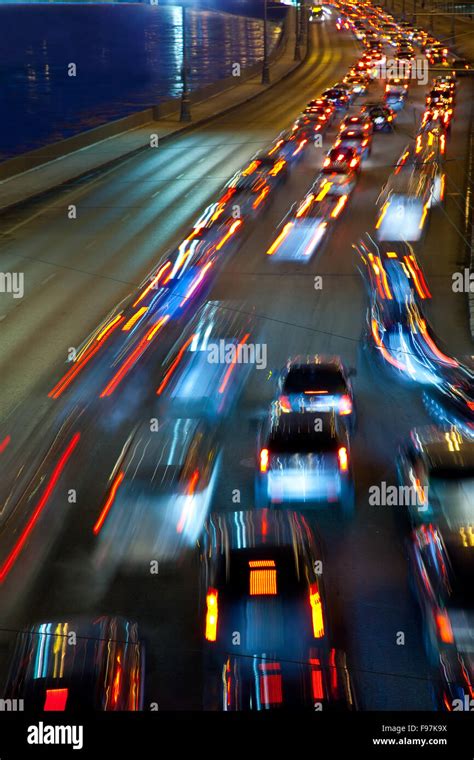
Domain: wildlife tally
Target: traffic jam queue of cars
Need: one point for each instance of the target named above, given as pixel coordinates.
(260, 570)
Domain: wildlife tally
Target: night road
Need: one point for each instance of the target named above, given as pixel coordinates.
(140, 471)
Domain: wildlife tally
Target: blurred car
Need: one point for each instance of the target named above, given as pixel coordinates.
(446, 82)
(344, 87)
(438, 464)
(451, 401)
(320, 105)
(357, 83)
(338, 97)
(462, 67)
(393, 272)
(442, 573)
(102, 670)
(342, 160)
(405, 54)
(205, 370)
(356, 132)
(316, 13)
(159, 494)
(439, 97)
(270, 642)
(437, 117)
(396, 91)
(250, 191)
(318, 383)
(306, 225)
(382, 116)
(289, 145)
(336, 184)
(304, 457)
(311, 124)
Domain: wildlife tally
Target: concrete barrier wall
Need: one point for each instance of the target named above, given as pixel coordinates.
(167, 108)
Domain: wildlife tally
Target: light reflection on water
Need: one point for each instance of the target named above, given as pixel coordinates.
(128, 57)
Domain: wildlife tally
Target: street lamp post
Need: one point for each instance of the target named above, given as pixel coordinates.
(265, 67)
(297, 32)
(185, 114)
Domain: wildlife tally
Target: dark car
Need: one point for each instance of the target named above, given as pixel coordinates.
(442, 577)
(437, 465)
(78, 665)
(304, 457)
(462, 67)
(338, 97)
(451, 401)
(317, 383)
(343, 160)
(382, 116)
(266, 617)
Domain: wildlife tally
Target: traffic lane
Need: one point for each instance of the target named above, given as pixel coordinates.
(371, 583)
(82, 592)
(76, 270)
(276, 212)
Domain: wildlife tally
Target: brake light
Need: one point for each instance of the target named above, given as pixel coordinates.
(211, 614)
(353, 163)
(345, 406)
(343, 459)
(316, 611)
(264, 460)
(444, 627)
(470, 405)
(340, 157)
(327, 161)
(55, 700)
(285, 404)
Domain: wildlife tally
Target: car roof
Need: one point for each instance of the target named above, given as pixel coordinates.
(288, 425)
(247, 529)
(444, 448)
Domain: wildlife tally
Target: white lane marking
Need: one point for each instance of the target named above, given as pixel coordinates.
(90, 244)
(155, 194)
(4, 316)
(50, 277)
(180, 175)
(125, 217)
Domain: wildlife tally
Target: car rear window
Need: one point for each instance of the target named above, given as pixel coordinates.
(316, 378)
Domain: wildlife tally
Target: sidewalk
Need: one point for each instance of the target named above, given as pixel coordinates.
(103, 153)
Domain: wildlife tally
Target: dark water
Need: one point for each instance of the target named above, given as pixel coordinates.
(128, 57)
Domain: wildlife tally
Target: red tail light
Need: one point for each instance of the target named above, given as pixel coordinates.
(316, 611)
(285, 404)
(264, 460)
(343, 459)
(212, 613)
(353, 163)
(55, 700)
(327, 161)
(345, 405)
(444, 627)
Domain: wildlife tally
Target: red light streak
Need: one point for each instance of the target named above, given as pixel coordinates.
(56, 474)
